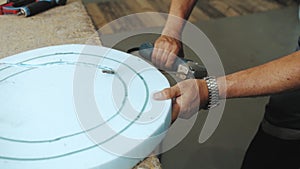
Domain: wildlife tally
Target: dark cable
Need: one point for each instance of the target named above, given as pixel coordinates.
(133, 49)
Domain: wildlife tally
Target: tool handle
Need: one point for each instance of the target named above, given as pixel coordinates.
(21, 3)
(181, 65)
(146, 50)
(40, 6)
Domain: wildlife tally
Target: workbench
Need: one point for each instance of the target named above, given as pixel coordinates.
(69, 24)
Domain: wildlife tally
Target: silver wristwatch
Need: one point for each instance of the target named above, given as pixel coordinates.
(213, 92)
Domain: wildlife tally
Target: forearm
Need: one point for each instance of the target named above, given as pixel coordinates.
(180, 9)
(273, 77)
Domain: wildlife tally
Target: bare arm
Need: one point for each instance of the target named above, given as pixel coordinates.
(181, 9)
(273, 77)
(270, 78)
(168, 45)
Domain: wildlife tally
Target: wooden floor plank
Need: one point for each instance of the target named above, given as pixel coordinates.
(259, 6)
(147, 7)
(224, 8)
(160, 5)
(96, 14)
(239, 6)
(209, 10)
(197, 15)
(105, 12)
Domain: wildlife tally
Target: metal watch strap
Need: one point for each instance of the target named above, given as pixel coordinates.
(213, 92)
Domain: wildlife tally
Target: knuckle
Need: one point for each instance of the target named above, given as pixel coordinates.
(166, 92)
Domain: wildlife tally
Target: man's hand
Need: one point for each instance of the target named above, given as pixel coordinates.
(187, 96)
(165, 52)
(168, 46)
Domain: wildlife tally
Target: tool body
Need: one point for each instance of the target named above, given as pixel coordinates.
(28, 7)
(185, 68)
(40, 6)
(13, 7)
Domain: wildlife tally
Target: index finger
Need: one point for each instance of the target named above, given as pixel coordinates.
(167, 93)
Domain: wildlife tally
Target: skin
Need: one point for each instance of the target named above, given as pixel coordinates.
(188, 96)
(168, 46)
(261, 80)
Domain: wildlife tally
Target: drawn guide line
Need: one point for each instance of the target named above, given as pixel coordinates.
(30, 67)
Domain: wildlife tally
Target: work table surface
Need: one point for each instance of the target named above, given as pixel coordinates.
(69, 24)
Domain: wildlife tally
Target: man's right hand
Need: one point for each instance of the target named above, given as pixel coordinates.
(165, 52)
(187, 96)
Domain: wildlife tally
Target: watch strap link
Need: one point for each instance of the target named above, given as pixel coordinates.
(213, 92)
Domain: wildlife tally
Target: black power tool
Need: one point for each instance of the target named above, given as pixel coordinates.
(40, 6)
(184, 68)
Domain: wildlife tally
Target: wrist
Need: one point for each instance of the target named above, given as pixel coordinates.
(173, 33)
(173, 27)
(222, 86)
(203, 93)
(213, 98)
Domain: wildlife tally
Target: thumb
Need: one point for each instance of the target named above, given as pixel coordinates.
(167, 93)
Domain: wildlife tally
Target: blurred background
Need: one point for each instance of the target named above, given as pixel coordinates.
(105, 11)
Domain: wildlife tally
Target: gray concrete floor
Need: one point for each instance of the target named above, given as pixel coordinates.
(241, 42)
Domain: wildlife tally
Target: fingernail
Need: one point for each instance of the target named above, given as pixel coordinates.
(157, 95)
